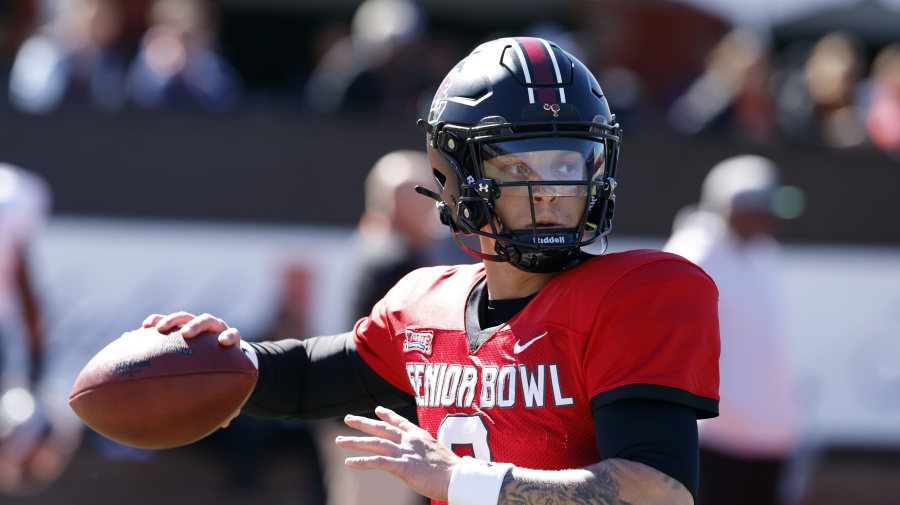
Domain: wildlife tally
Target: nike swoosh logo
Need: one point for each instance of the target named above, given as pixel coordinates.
(519, 348)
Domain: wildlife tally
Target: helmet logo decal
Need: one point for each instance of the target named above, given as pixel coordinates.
(437, 108)
(554, 107)
(537, 57)
(439, 103)
(444, 89)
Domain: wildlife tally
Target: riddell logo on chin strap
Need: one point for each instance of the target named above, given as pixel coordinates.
(551, 240)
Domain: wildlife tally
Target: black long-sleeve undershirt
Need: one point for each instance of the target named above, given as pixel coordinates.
(318, 378)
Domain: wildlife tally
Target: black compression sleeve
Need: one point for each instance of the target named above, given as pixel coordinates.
(318, 378)
(659, 434)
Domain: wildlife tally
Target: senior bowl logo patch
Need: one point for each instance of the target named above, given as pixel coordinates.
(419, 341)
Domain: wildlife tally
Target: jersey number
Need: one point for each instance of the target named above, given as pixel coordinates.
(466, 435)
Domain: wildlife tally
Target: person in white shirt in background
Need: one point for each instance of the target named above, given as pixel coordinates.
(25, 200)
(34, 447)
(730, 234)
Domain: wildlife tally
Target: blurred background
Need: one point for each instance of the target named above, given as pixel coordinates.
(210, 156)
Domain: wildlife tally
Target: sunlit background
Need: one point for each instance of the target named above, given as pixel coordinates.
(210, 157)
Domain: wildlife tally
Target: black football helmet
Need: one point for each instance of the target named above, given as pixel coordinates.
(510, 101)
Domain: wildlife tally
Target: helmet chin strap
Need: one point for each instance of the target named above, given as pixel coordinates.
(487, 257)
(500, 245)
(454, 231)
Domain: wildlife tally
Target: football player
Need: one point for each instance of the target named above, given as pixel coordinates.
(544, 374)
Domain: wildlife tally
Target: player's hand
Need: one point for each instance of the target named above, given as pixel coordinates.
(192, 325)
(403, 449)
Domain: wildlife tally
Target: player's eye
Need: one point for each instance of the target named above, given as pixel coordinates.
(567, 168)
(516, 169)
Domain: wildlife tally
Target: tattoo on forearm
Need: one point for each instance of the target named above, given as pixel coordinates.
(676, 485)
(603, 489)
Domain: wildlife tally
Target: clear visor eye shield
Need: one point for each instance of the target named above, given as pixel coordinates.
(555, 171)
(573, 169)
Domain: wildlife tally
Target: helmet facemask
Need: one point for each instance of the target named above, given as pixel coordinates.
(562, 171)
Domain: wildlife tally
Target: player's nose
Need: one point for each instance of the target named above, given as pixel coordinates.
(544, 193)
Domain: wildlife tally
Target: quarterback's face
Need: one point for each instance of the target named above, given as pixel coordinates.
(555, 205)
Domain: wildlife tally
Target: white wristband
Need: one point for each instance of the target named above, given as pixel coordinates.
(476, 482)
(250, 353)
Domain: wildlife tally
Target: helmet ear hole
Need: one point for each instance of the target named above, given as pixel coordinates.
(439, 178)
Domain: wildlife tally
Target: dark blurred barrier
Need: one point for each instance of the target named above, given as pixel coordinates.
(856, 476)
(200, 474)
(247, 167)
(283, 167)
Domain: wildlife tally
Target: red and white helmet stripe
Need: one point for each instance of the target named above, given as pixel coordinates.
(538, 60)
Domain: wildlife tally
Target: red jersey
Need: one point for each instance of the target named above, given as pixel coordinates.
(638, 324)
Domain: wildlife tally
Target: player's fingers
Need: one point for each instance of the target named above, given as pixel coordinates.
(201, 324)
(228, 421)
(401, 423)
(372, 463)
(394, 419)
(374, 445)
(379, 429)
(172, 320)
(231, 336)
(151, 320)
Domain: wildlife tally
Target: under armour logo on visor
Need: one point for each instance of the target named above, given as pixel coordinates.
(552, 107)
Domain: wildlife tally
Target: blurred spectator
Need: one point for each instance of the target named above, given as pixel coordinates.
(834, 70)
(397, 229)
(293, 316)
(254, 446)
(17, 22)
(883, 114)
(25, 200)
(33, 448)
(376, 66)
(395, 236)
(733, 90)
(744, 450)
(77, 55)
(659, 45)
(177, 65)
(815, 94)
(400, 230)
(793, 104)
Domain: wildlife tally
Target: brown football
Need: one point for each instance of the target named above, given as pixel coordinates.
(156, 391)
